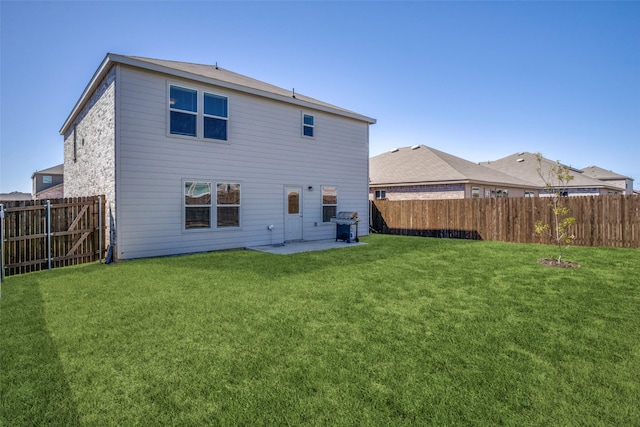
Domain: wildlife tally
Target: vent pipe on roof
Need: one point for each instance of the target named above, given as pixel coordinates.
(293, 92)
(394, 150)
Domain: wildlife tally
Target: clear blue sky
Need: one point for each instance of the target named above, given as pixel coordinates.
(479, 80)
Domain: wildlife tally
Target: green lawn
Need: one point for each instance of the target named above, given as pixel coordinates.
(401, 331)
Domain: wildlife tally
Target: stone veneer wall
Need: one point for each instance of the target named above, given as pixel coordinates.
(92, 172)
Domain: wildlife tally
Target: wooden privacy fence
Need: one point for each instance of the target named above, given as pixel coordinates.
(45, 234)
(600, 220)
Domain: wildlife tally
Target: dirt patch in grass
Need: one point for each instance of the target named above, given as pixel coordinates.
(552, 262)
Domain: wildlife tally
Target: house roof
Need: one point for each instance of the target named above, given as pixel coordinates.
(602, 174)
(525, 166)
(54, 170)
(424, 165)
(208, 74)
(14, 196)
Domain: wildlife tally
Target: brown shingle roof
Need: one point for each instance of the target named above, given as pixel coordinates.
(424, 165)
(525, 165)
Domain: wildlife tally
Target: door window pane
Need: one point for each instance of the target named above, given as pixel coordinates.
(293, 202)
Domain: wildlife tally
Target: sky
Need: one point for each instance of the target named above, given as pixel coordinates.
(480, 80)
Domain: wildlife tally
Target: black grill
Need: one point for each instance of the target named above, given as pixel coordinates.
(346, 226)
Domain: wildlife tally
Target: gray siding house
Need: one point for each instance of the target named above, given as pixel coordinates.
(196, 158)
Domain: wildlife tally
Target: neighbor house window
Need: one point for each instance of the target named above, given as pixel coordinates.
(381, 194)
(204, 115)
(529, 194)
(502, 193)
(307, 125)
(183, 111)
(475, 192)
(197, 204)
(228, 204)
(46, 179)
(329, 203)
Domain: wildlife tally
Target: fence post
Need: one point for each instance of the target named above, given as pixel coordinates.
(100, 228)
(1, 247)
(49, 234)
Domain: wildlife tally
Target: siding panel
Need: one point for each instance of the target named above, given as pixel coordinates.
(264, 153)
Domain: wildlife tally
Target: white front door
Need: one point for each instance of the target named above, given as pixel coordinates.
(293, 213)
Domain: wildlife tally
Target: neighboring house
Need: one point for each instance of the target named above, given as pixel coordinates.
(623, 182)
(421, 173)
(525, 166)
(14, 196)
(196, 158)
(48, 183)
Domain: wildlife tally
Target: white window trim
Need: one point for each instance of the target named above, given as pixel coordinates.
(322, 204)
(239, 206)
(199, 113)
(184, 208)
(313, 126)
(213, 206)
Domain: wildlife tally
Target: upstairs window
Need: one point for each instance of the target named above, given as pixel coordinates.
(329, 203)
(200, 115)
(215, 117)
(183, 107)
(381, 194)
(308, 125)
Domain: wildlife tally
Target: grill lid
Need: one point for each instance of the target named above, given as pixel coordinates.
(346, 215)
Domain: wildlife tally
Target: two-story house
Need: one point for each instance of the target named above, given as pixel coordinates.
(48, 183)
(196, 158)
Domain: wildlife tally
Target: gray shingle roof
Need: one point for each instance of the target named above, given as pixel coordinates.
(424, 165)
(600, 173)
(54, 170)
(525, 165)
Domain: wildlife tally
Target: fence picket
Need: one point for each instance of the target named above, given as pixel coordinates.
(600, 220)
(74, 233)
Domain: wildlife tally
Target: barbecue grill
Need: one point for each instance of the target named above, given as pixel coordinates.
(346, 223)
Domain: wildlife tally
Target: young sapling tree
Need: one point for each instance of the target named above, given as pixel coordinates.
(556, 179)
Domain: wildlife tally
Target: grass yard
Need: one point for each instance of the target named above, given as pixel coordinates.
(401, 331)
